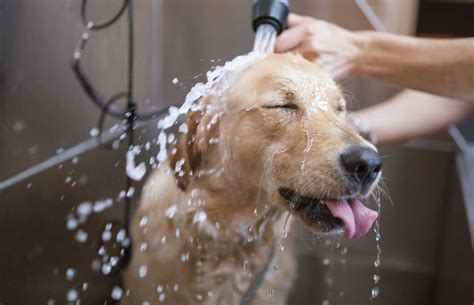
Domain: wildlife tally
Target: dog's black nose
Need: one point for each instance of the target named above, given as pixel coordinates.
(363, 164)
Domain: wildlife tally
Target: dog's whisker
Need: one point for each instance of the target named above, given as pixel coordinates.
(384, 190)
(388, 156)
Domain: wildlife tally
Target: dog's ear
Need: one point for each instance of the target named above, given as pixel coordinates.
(186, 156)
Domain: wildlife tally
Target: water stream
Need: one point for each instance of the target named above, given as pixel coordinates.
(376, 290)
(265, 38)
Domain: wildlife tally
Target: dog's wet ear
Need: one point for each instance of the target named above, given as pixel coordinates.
(186, 156)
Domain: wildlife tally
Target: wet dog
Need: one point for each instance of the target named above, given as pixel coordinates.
(273, 143)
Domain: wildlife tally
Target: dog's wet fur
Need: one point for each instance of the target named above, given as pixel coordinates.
(280, 130)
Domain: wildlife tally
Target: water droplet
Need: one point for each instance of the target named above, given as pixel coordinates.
(326, 261)
(162, 297)
(70, 274)
(175, 287)
(106, 269)
(143, 221)
(121, 195)
(77, 54)
(183, 128)
(270, 292)
(135, 172)
(130, 192)
(29, 185)
(113, 261)
(83, 210)
(142, 271)
(199, 217)
(121, 235)
(171, 211)
(116, 293)
(375, 292)
(376, 278)
(94, 132)
(85, 285)
(72, 295)
(325, 302)
(115, 146)
(81, 236)
(159, 288)
(185, 257)
(174, 81)
(101, 205)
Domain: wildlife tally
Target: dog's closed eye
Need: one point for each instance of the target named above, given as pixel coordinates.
(340, 108)
(287, 106)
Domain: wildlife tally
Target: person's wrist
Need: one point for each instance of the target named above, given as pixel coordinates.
(361, 40)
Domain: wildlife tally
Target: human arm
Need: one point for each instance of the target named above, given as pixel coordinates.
(412, 114)
(440, 66)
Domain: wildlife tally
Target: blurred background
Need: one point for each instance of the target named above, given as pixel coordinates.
(426, 256)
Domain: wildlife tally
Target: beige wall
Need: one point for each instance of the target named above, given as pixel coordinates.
(399, 16)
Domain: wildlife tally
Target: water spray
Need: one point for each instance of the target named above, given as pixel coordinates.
(268, 20)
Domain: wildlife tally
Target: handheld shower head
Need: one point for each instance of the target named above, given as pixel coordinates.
(272, 12)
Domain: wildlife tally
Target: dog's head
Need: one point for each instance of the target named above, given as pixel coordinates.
(278, 134)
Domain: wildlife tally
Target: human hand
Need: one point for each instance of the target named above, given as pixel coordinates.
(334, 48)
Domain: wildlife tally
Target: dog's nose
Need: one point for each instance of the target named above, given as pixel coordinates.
(363, 164)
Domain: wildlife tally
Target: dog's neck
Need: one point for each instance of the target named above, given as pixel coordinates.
(228, 214)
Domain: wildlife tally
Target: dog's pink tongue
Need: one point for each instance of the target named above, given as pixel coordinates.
(357, 218)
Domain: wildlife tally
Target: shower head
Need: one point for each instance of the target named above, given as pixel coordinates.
(273, 12)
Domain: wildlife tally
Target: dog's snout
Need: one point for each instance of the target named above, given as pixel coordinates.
(363, 164)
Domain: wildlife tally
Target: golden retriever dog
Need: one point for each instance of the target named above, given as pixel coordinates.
(274, 144)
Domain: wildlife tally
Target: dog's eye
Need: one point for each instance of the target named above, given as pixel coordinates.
(340, 108)
(289, 107)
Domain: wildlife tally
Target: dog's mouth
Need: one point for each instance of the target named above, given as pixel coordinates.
(331, 215)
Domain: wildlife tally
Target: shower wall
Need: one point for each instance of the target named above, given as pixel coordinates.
(426, 253)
